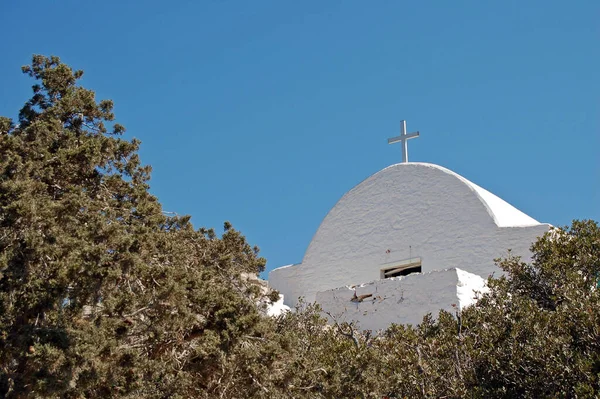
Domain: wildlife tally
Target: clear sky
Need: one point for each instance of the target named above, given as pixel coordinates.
(265, 113)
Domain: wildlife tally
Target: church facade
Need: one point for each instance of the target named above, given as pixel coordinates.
(411, 239)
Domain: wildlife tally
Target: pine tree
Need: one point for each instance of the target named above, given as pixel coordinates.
(537, 334)
(101, 294)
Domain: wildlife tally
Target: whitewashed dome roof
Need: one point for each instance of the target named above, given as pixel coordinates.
(503, 213)
(411, 199)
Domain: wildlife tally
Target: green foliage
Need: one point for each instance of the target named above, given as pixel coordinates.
(103, 295)
(538, 333)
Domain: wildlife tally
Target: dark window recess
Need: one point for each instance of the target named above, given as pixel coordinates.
(403, 270)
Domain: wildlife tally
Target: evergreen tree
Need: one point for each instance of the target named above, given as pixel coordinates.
(101, 294)
(537, 334)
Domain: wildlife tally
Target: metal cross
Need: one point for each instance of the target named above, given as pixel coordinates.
(403, 138)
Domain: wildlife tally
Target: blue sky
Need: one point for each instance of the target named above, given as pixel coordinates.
(265, 113)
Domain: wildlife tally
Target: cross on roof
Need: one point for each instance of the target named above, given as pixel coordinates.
(403, 138)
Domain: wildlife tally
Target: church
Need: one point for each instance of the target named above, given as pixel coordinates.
(409, 240)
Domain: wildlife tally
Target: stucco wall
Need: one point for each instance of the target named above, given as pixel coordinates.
(401, 300)
(406, 210)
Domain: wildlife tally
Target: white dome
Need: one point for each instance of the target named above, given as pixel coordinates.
(503, 213)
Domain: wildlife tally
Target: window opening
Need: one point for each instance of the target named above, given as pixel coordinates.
(401, 268)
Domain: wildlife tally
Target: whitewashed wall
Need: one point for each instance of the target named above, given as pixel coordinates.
(410, 209)
(402, 300)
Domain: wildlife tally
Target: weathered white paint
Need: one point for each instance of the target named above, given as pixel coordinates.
(503, 213)
(277, 308)
(408, 210)
(468, 288)
(402, 300)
